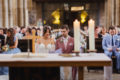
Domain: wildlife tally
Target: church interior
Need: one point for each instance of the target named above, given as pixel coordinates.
(59, 39)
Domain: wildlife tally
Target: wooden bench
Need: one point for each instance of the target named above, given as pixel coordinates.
(24, 45)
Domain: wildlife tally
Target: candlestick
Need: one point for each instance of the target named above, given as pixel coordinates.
(76, 35)
(91, 25)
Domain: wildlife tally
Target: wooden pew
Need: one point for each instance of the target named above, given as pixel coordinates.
(33, 39)
(98, 47)
(24, 44)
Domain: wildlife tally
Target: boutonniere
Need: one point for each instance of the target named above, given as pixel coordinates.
(71, 44)
(61, 40)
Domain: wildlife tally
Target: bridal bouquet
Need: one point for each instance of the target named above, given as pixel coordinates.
(5, 48)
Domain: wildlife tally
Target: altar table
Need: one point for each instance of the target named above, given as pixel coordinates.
(54, 60)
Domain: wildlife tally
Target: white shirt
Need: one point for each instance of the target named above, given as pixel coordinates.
(65, 40)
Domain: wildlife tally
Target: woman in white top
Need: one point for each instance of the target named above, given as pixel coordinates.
(45, 45)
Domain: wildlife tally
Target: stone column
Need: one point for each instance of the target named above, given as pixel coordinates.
(11, 13)
(20, 13)
(113, 11)
(108, 10)
(1, 24)
(15, 16)
(5, 13)
(117, 12)
(26, 17)
(105, 8)
(30, 5)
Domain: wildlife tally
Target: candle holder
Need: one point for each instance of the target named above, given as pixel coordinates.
(76, 53)
(89, 51)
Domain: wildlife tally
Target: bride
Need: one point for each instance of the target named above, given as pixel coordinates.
(45, 45)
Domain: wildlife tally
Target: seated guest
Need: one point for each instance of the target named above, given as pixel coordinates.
(17, 34)
(9, 48)
(97, 30)
(66, 45)
(2, 38)
(28, 34)
(23, 30)
(39, 32)
(102, 33)
(111, 47)
(34, 31)
(82, 43)
(11, 42)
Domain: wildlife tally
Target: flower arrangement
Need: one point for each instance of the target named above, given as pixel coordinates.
(5, 48)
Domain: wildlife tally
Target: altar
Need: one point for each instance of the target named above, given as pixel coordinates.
(55, 60)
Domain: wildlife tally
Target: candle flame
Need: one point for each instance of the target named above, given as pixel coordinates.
(91, 20)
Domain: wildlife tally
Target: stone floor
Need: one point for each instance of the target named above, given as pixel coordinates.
(92, 75)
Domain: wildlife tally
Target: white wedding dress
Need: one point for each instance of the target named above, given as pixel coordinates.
(41, 48)
(65, 72)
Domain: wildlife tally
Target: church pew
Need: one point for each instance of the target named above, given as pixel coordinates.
(24, 44)
(98, 47)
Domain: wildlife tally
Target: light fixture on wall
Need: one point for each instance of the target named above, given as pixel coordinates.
(77, 8)
(83, 16)
(56, 16)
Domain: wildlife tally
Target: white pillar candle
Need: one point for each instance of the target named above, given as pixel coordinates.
(76, 25)
(91, 25)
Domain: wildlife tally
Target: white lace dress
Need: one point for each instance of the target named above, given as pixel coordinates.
(65, 72)
(41, 48)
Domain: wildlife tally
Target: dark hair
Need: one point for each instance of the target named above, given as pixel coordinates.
(45, 29)
(10, 39)
(22, 27)
(35, 30)
(65, 27)
(111, 28)
(38, 28)
(28, 30)
(1, 28)
(5, 30)
(96, 27)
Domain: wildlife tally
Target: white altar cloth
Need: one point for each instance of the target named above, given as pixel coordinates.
(54, 60)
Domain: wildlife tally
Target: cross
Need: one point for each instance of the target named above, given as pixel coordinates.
(34, 37)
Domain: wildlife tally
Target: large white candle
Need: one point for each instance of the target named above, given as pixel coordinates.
(91, 25)
(76, 25)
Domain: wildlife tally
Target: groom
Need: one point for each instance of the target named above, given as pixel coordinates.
(66, 45)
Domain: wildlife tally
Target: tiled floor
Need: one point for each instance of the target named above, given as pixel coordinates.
(98, 75)
(92, 75)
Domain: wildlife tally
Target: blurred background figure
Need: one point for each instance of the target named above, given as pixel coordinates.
(103, 32)
(28, 34)
(17, 33)
(2, 38)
